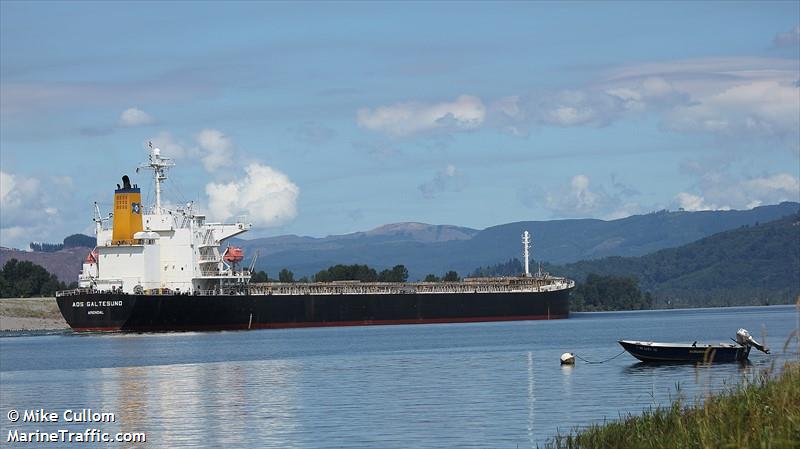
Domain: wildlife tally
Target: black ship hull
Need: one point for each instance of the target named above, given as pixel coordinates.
(124, 312)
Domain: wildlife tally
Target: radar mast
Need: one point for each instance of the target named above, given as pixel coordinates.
(159, 165)
(526, 245)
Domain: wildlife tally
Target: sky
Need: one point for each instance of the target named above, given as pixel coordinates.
(328, 118)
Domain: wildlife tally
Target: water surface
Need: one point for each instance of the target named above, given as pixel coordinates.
(481, 385)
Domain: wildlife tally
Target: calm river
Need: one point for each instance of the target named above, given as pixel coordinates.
(485, 385)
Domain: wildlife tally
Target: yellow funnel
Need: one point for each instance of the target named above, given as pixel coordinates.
(127, 213)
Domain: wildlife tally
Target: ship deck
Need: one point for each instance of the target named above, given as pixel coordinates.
(469, 285)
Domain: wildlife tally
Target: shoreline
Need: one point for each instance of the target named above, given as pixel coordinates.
(26, 314)
(761, 412)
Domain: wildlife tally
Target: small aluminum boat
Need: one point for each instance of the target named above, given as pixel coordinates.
(738, 351)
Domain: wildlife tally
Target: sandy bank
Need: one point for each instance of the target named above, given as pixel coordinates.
(30, 314)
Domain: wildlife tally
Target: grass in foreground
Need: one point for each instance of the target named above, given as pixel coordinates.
(763, 413)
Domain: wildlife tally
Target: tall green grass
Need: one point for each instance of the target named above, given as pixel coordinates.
(761, 413)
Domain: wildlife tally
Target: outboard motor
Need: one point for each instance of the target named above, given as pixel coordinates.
(744, 338)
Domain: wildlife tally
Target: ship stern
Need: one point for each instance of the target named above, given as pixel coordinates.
(88, 311)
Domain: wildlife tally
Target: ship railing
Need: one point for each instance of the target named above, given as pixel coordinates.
(399, 288)
(73, 292)
(204, 292)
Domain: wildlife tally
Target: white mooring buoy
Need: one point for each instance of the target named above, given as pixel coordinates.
(567, 358)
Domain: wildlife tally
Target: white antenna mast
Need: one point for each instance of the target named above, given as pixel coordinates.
(159, 165)
(98, 220)
(526, 244)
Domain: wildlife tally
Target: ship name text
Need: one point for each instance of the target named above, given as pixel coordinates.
(97, 303)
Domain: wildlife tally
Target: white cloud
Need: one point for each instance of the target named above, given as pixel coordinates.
(580, 107)
(449, 179)
(217, 149)
(508, 114)
(172, 148)
(782, 183)
(789, 38)
(465, 113)
(135, 117)
(735, 98)
(29, 211)
(15, 192)
(652, 92)
(578, 199)
(581, 199)
(267, 196)
(694, 203)
(6, 185)
(214, 149)
(738, 98)
(755, 109)
(702, 76)
(721, 192)
(596, 105)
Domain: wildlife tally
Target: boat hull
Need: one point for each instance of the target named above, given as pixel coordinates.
(123, 312)
(648, 352)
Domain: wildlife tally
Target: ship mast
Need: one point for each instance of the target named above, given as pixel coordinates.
(159, 165)
(526, 245)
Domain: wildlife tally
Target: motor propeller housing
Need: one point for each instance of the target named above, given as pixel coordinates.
(744, 338)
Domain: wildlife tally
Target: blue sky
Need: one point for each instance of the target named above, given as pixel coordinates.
(326, 118)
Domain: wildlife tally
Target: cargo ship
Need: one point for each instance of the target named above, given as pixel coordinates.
(169, 269)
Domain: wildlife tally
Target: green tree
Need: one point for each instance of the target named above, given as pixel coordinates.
(22, 279)
(609, 293)
(46, 247)
(340, 272)
(451, 276)
(259, 276)
(432, 278)
(397, 274)
(511, 268)
(79, 240)
(286, 276)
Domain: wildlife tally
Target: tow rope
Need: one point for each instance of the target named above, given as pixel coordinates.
(599, 361)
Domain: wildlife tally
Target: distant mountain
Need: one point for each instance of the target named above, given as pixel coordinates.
(747, 265)
(65, 263)
(308, 255)
(425, 248)
(63, 259)
(435, 249)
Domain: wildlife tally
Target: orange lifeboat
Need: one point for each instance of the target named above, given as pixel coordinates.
(233, 254)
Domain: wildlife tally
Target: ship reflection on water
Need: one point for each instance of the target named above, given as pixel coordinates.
(206, 405)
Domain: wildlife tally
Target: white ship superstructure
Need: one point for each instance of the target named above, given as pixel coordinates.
(153, 248)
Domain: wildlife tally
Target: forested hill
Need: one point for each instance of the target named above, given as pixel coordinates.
(749, 265)
(428, 249)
